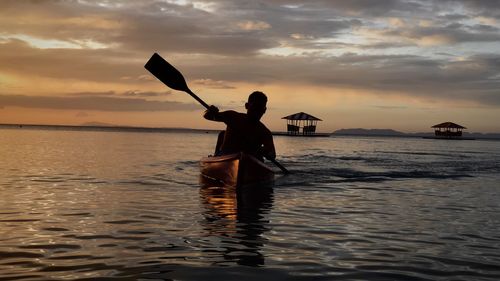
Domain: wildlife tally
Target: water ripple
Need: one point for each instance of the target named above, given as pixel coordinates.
(353, 209)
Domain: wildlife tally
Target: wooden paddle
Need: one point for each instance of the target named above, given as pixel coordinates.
(173, 78)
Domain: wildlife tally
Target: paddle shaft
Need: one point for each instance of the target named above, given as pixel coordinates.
(173, 78)
(283, 169)
(197, 98)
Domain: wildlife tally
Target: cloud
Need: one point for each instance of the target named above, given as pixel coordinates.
(98, 103)
(443, 35)
(482, 7)
(82, 114)
(379, 9)
(390, 107)
(148, 25)
(93, 65)
(130, 93)
(253, 25)
(137, 93)
(420, 76)
(95, 94)
(209, 83)
(144, 77)
(475, 78)
(187, 28)
(393, 46)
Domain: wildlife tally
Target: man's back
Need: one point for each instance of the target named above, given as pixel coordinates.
(244, 134)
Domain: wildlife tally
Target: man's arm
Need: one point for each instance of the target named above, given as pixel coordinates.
(268, 145)
(231, 118)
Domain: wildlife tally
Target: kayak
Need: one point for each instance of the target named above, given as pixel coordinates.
(236, 169)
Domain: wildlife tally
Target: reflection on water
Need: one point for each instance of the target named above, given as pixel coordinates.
(78, 205)
(237, 217)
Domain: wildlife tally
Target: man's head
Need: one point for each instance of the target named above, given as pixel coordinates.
(256, 105)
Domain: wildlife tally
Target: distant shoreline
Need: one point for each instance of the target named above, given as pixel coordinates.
(339, 133)
(110, 128)
(393, 133)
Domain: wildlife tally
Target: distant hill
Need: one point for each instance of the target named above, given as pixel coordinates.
(368, 132)
(394, 133)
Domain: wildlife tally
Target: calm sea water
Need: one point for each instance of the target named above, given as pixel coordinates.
(91, 205)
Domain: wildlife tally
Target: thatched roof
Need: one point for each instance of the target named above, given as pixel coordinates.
(448, 125)
(301, 116)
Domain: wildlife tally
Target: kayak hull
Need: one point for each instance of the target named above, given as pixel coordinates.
(234, 170)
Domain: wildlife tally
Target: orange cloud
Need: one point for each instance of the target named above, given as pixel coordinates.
(253, 25)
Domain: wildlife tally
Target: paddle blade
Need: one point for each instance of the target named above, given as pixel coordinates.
(166, 73)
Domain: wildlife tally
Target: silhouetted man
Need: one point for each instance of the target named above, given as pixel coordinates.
(244, 132)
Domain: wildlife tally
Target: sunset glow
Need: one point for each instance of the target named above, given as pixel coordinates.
(404, 65)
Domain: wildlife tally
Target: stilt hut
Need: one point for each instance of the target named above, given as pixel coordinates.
(448, 130)
(303, 121)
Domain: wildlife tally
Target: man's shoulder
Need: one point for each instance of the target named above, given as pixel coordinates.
(264, 128)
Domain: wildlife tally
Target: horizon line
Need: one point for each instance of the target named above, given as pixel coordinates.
(128, 127)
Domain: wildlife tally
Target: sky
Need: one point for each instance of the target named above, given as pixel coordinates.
(404, 65)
